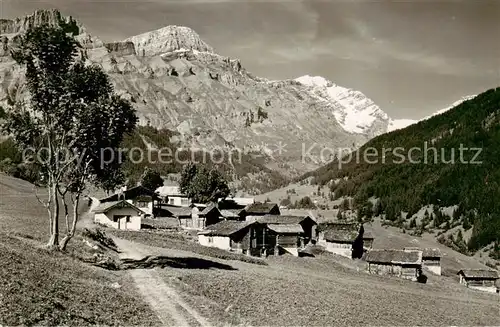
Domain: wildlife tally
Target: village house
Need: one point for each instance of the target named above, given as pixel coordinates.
(431, 259)
(346, 239)
(480, 279)
(262, 209)
(119, 214)
(406, 264)
(233, 214)
(234, 236)
(195, 217)
(205, 216)
(282, 234)
(183, 215)
(173, 196)
(141, 197)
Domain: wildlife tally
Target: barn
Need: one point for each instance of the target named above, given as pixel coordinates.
(234, 236)
(140, 196)
(480, 279)
(283, 234)
(118, 214)
(431, 259)
(406, 264)
(262, 209)
(346, 239)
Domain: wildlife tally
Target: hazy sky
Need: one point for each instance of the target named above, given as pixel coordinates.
(410, 57)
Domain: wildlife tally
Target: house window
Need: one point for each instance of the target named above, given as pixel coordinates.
(171, 201)
(129, 219)
(210, 239)
(184, 201)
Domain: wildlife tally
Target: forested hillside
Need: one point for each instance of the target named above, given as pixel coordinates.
(435, 173)
(246, 170)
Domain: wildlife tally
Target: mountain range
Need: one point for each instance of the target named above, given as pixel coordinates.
(178, 82)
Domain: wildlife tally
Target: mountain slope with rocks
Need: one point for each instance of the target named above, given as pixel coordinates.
(178, 82)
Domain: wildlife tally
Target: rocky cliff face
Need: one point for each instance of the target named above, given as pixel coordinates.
(177, 81)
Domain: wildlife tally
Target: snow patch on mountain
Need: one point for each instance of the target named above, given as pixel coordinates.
(396, 124)
(355, 112)
(453, 105)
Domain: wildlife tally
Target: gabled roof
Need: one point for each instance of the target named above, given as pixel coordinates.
(330, 225)
(231, 213)
(413, 257)
(107, 206)
(479, 273)
(208, 208)
(275, 219)
(132, 193)
(225, 228)
(286, 228)
(341, 235)
(260, 208)
(179, 211)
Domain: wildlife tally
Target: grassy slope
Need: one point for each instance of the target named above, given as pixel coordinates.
(38, 287)
(321, 292)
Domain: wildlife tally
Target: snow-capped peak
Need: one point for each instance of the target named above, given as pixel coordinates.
(353, 110)
(453, 105)
(168, 39)
(402, 123)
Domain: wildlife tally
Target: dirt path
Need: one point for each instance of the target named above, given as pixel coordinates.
(163, 299)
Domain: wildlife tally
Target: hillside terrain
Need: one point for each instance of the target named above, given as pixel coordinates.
(304, 290)
(437, 173)
(178, 82)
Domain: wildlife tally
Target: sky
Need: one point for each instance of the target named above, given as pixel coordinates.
(411, 57)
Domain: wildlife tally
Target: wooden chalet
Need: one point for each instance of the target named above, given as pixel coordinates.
(203, 217)
(262, 209)
(282, 234)
(480, 279)
(405, 264)
(141, 197)
(431, 259)
(233, 214)
(234, 236)
(346, 239)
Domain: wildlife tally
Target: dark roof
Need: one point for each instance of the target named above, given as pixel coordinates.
(208, 208)
(132, 193)
(431, 253)
(286, 228)
(225, 228)
(179, 211)
(340, 235)
(260, 208)
(275, 219)
(394, 256)
(329, 225)
(106, 206)
(479, 273)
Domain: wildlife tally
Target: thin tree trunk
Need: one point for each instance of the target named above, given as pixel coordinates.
(71, 232)
(54, 235)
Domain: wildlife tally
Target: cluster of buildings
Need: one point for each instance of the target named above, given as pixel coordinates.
(244, 226)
